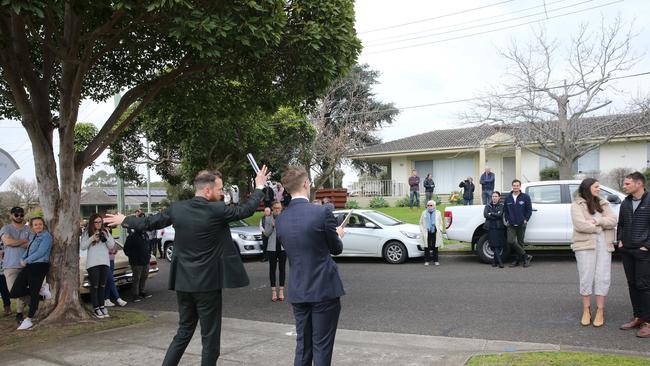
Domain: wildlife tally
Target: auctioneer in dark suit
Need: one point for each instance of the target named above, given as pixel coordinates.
(204, 261)
(308, 234)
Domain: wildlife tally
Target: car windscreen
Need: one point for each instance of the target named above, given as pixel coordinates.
(381, 218)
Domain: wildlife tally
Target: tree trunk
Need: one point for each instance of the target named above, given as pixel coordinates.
(566, 171)
(60, 205)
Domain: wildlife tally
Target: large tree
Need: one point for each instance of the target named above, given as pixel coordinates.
(54, 54)
(345, 119)
(549, 92)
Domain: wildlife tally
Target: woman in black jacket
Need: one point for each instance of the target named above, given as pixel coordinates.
(493, 214)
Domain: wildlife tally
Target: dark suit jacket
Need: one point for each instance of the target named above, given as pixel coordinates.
(205, 258)
(308, 235)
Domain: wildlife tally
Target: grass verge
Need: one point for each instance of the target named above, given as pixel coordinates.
(556, 359)
(42, 334)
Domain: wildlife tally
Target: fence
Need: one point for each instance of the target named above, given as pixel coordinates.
(372, 188)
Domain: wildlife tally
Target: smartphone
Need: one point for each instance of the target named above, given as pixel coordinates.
(251, 160)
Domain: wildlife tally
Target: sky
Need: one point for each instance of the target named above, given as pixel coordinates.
(432, 52)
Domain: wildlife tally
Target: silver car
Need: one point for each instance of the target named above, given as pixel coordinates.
(371, 233)
(247, 239)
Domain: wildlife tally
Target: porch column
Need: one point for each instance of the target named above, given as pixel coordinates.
(518, 163)
(481, 159)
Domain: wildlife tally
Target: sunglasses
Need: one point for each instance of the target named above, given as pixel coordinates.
(19, 215)
(429, 205)
(98, 222)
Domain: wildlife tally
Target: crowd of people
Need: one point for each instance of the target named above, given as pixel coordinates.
(204, 251)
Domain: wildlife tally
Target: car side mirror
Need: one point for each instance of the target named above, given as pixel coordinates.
(371, 225)
(612, 198)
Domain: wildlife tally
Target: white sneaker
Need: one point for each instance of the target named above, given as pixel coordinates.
(105, 312)
(25, 324)
(108, 303)
(426, 263)
(436, 263)
(98, 313)
(45, 291)
(121, 302)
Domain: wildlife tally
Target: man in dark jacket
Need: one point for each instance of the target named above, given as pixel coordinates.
(205, 259)
(518, 210)
(633, 235)
(136, 247)
(487, 185)
(414, 189)
(310, 236)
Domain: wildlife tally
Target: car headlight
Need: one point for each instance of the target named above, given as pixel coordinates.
(247, 237)
(411, 235)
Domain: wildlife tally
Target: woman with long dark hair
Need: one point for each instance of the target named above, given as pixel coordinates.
(36, 261)
(493, 214)
(97, 241)
(593, 242)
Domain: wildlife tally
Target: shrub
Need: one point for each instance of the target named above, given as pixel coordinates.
(378, 202)
(549, 173)
(402, 202)
(352, 204)
(456, 198)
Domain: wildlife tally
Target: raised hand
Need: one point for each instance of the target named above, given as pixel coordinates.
(262, 176)
(114, 220)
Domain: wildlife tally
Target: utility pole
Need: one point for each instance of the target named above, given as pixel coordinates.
(120, 185)
(148, 181)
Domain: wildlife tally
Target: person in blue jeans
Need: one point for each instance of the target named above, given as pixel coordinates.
(487, 185)
(112, 295)
(414, 188)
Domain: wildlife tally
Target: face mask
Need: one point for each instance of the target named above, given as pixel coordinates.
(430, 209)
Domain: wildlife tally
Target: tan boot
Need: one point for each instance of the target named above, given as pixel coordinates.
(599, 319)
(586, 316)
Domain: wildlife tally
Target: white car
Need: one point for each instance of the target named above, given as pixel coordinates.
(372, 233)
(550, 223)
(247, 239)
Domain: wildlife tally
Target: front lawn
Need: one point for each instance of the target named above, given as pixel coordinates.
(556, 359)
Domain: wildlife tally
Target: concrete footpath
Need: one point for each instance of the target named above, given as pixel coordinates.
(247, 342)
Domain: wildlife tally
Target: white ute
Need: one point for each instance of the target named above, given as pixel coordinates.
(550, 223)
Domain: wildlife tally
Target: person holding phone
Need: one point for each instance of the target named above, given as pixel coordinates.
(97, 241)
(276, 254)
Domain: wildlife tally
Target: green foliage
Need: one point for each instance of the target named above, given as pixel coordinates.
(403, 202)
(456, 198)
(101, 178)
(549, 173)
(84, 133)
(378, 202)
(352, 204)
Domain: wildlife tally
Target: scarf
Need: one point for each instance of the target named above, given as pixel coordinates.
(431, 221)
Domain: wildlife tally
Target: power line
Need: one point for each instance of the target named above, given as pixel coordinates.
(466, 22)
(434, 18)
(464, 100)
(545, 12)
(492, 30)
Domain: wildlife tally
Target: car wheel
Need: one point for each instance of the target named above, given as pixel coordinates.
(486, 254)
(169, 250)
(395, 252)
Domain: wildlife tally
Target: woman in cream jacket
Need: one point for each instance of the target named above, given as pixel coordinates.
(431, 233)
(593, 242)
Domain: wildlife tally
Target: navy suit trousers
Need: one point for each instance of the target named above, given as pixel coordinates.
(316, 324)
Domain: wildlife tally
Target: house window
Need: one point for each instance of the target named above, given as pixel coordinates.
(545, 162)
(589, 162)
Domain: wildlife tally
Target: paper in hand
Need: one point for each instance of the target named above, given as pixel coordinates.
(253, 163)
(347, 219)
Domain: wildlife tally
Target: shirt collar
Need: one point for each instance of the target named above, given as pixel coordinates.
(296, 197)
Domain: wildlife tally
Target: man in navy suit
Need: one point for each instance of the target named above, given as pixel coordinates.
(309, 234)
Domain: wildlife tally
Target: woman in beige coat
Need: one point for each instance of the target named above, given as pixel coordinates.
(431, 229)
(593, 242)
